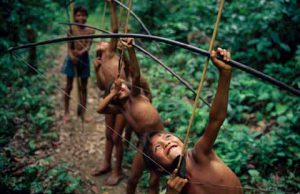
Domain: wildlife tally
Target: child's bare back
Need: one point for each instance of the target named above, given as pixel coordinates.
(141, 114)
(107, 65)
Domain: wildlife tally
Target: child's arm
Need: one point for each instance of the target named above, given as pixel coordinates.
(126, 65)
(114, 26)
(134, 69)
(88, 45)
(71, 49)
(110, 109)
(146, 88)
(219, 106)
(143, 82)
(105, 107)
(144, 85)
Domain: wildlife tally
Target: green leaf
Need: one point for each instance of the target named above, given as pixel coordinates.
(32, 145)
(253, 173)
(285, 47)
(280, 108)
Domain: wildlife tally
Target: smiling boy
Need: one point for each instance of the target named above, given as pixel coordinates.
(77, 62)
(106, 70)
(130, 99)
(205, 172)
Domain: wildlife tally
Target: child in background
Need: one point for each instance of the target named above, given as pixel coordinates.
(77, 61)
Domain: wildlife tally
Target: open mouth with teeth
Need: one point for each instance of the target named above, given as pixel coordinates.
(170, 148)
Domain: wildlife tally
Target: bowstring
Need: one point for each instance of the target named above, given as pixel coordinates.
(125, 32)
(135, 147)
(200, 86)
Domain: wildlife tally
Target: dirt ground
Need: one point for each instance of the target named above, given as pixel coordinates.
(83, 149)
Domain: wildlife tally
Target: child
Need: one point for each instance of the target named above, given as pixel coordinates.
(77, 61)
(205, 172)
(131, 102)
(107, 70)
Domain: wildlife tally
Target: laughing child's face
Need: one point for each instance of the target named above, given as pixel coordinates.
(166, 148)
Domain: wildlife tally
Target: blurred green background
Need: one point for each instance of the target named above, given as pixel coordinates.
(260, 138)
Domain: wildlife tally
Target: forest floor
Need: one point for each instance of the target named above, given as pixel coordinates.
(83, 149)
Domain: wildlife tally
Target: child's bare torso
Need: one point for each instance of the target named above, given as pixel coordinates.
(210, 176)
(141, 115)
(108, 71)
(81, 44)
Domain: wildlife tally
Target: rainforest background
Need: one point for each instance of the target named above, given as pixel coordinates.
(260, 138)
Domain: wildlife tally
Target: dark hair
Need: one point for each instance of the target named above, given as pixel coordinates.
(81, 9)
(150, 161)
(147, 151)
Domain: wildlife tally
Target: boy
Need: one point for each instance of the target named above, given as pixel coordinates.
(77, 61)
(107, 69)
(138, 112)
(205, 172)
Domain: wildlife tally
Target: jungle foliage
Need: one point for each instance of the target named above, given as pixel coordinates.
(260, 139)
(27, 130)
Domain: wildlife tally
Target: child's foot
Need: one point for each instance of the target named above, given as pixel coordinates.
(67, 118)
(100, 170)
(113, 179)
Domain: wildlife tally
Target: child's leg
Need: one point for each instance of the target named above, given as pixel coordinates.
(106, 166)
(68, 90)
(136, 172)
(128, 133)
(116, 175)
(84, 83)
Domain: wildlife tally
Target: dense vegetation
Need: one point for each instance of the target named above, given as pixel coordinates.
(260, 139)
(27, 129)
